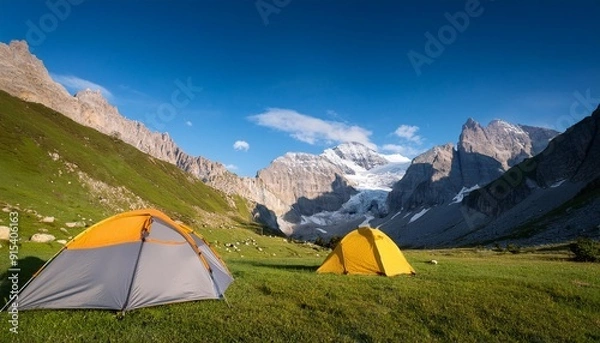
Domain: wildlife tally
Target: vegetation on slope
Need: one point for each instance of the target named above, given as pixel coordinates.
(53, 166)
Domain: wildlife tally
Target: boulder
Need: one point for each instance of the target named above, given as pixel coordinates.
(4, 233)
(42, 238)
(47, 220)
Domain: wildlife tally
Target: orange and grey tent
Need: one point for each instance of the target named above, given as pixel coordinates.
(134, 259)
(366, 251)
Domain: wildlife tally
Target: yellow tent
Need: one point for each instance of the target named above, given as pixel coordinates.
(366, 251)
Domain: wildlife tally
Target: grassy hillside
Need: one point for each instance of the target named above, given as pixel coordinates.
(53, 166)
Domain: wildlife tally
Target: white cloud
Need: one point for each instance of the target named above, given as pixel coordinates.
(75, 84)
(312, 130)
(241, 146)
(404, 150)
(188, 123)
(409, 133)
(231, 167)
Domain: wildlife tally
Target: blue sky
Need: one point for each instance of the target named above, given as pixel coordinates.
(242, 82)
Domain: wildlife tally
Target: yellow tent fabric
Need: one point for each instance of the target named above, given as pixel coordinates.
(366, 251)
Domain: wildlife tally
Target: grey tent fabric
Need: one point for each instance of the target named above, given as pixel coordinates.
(90, 278)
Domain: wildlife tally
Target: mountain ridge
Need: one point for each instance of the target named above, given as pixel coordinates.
(297, 193)
(550, 197)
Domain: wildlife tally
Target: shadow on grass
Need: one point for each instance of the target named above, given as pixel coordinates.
(28, 266)
(290, 267)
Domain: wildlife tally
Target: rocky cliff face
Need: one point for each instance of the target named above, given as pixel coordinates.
(573, 156)
(431, 179)
(481, 155)
(308, 183)
(485, 153)
(548, 198)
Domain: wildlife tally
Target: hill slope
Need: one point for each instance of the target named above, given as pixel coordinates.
(52, 166)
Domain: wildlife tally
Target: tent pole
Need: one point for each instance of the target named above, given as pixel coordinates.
(135, 267)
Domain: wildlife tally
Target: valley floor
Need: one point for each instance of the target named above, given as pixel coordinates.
(470, 296)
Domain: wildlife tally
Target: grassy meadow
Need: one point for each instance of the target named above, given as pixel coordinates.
(470, 296)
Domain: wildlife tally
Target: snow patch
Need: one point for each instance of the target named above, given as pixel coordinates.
(558, 183)
(395, 215)
(460, 195)
(508, 127)
(321, 230)
(379, 178)
(418, 215)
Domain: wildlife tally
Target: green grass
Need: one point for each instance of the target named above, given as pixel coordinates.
(470, 296)
(31, 179)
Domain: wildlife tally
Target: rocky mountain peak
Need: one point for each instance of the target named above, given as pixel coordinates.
(504, 142)
(434, 155)
(354, 157)
(19, 46)
(481, 155)
(470, 124)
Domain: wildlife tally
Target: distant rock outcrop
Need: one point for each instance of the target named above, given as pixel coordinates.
(548, 198)
(309, 183)
(485, 153)
(481, 155)
(573, 156)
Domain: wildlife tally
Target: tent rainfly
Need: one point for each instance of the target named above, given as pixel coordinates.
(366, 251)
(131, 260)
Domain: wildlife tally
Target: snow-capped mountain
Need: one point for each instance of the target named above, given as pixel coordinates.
(354, 157)
(366, 168)
(344, 184)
